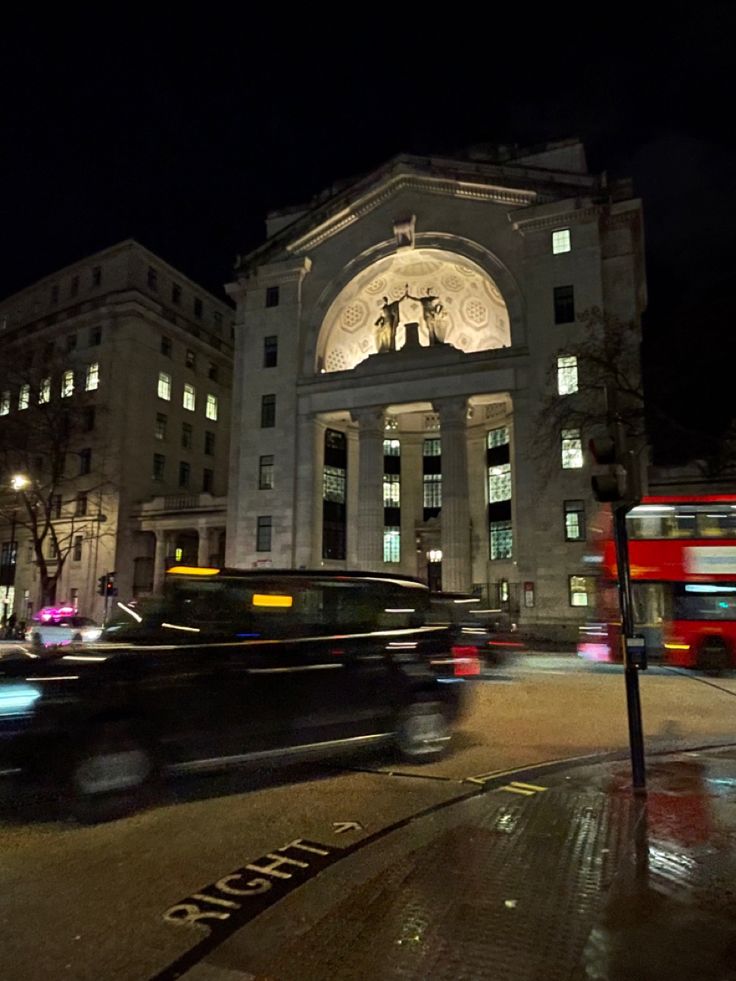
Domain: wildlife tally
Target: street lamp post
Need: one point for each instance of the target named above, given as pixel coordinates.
(18, 482)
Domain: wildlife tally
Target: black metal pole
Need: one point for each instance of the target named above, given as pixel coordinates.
(631, 671)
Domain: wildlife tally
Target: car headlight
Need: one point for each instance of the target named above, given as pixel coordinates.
(17, 699)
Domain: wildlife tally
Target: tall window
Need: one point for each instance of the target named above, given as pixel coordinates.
(77, 549)
(567, 375)
(391, 544)
(574, 521)
(85, 461)
(186, 436)
(208, 480)
(184, 473)
(272, 296)
(166, 346)
(159, 463)
(211, 407)
(500, 488)
(56, 505)
(501, 540)
(160, 428)
(189, 400)
(92, 379)
(431, 477)
(391, 490)
(572, 449)
(164, 386)
(564, 301)
(44, 391)
(67, 384)
(561, 241)
(4, 402)
(499, 483)
(263, 533)
(580, 590)
(391, 500)
(268, 411)
(209, 443)
(80, 509)
(334, 495)
(24, 396)
(265, 473)
(270, 351)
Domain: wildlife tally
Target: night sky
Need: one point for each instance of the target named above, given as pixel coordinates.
(183, 131)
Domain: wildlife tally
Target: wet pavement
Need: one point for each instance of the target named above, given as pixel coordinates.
(558, 873)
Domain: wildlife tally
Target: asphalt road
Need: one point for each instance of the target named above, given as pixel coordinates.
(92, 902)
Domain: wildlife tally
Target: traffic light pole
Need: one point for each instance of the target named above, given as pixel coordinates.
(631, 670)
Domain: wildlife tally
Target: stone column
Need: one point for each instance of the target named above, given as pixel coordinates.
(455, 515)
(370, 507)
(159, 560)
(204, 545)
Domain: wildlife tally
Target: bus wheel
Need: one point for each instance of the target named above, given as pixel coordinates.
(714, 656)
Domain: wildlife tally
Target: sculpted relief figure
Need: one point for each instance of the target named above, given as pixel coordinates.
(431, 311)
(388, 322)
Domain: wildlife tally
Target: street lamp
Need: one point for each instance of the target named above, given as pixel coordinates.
(18, 482)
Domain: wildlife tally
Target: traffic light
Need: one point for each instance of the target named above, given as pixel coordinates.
(102, 585)
(620, 484)
(110, 584)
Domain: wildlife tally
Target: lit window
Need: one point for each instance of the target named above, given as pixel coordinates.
(164, 386)
(211, 408)
(572, 449)
(432, 447)
(92, 380)
(391, 490)
(499, 483)
(574, 521)
(4, 403)
(391, 544)
(44, 391)
(432, 497)
(24, 396)
(265, 473)
(190, 399)
(333, 484)
(567, 376)
(501, 540)
(497, 437)
(561, 241)
(67, 384)
(263, 533)
(580, 590)
(391, 447)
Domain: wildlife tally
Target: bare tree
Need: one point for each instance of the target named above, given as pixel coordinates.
(47, 472)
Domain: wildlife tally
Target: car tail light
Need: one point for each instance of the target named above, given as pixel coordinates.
(466, 660)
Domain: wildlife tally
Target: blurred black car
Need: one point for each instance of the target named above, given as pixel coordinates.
(228, 668)
(479, 637)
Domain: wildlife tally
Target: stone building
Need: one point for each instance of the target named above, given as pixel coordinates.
(144, 357)
(393, 341)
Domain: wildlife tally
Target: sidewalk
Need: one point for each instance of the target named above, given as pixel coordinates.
(543, 876)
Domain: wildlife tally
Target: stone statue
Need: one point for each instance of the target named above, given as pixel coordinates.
(388, 322)
(431, 311)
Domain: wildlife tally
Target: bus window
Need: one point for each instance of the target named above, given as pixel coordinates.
(714, 523)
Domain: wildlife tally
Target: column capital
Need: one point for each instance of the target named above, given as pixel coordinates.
(371, 419)
(453, 411)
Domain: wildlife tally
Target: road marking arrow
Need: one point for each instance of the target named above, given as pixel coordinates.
(341, 826)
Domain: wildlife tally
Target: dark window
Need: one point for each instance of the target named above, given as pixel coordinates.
(159, 462)
(176, 294)
(209, 443)
(77, 551)
(212, 372)
(81, 507)
(160, 430)
(74, 288)
(263, 534)
(166, 346)
(56, 505)
(96, 275)
(207, 481)
(85, 461)
(95, 336)
(71, 342)
(270, 351)
(265, 473)
(575, 521)
(184, 471)
(186, 436)
(564, 304)
(55, 293)
(334, 495)
(89, 418)
(268, 411)
(272, 296)
(190, 359)
(218, 320)
(152, 278)
(197, 308)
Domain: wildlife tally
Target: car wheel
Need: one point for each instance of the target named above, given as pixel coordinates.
(111, 776)
(714, 656)
(423, 732)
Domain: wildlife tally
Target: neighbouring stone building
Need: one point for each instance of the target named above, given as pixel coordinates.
(393, 340)
(143, 356)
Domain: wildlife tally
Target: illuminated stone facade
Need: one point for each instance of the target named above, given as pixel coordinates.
(393, 344)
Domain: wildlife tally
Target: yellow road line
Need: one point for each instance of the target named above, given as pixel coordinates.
(529, 786)
(518, 790)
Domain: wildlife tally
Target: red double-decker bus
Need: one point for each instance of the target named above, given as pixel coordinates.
(682, 555)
